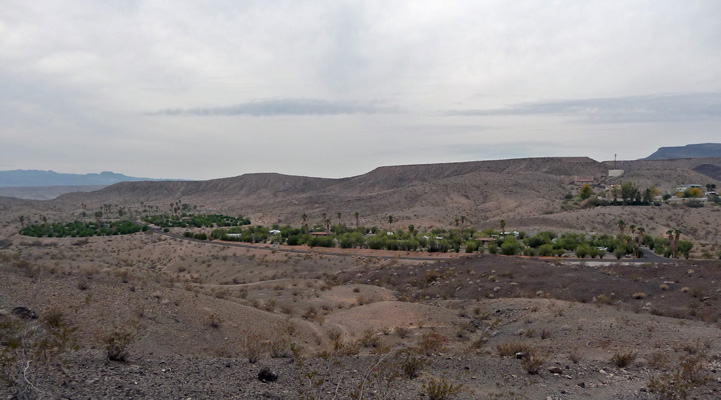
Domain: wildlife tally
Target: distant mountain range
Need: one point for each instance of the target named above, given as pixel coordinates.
(702, 150)
(36, 178)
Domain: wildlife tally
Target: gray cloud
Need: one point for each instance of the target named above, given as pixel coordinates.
(649, 108)
(277, 107)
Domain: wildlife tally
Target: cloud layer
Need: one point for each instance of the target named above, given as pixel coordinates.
(628, 109)
(199, 90)
(267, 108)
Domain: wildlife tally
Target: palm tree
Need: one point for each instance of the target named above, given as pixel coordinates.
(670, 239)
(621, 226)
(304, 217)
(325, 217)
(390, 222)
(411, 229)
(677, 235)
(338, 214)
(633, 229)
(641, 231)
(99, 217)
(357, 215)
(327, 225)
(503, 226)
(22, 221)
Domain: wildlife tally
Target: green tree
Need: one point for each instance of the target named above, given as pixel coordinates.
(510, 247)
(585, 192)
(629, 192)
(621, 227)
(684, 247)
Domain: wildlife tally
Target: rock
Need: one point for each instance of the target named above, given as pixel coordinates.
(582, 385)
(265, 375)
(555, 370)
(24, 313)
(522, 354)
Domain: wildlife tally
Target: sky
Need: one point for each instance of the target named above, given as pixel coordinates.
(211, 89)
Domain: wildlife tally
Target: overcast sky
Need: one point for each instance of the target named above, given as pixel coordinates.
(208, 89)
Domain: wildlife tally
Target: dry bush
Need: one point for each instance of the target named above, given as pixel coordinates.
(254, 346)
(402, 332)
(441, 389)
(117, 342)
(279, 346)
(510, 349)
(532, 364)
(29, 349)
(334, 334)
(659, 360)
(622, 360)
(214, 320)
(411, 364)
(432, 342)
(574, 356)
(369, 338)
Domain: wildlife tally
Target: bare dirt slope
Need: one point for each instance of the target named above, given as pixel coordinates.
(195, 310)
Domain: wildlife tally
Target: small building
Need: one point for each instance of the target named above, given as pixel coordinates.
(319, 233)
(615, 173)
(274, 232)
(581, 180)
(684, 188)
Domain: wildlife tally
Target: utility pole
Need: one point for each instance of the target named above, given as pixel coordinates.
(614, 161)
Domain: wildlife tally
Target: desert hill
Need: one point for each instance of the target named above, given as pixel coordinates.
(470, 188)
(527, 193)
(702, 150)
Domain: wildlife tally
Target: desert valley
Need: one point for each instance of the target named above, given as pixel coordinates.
(560, 278)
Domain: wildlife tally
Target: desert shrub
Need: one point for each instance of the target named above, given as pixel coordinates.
(678, 383)
(28, 350)
(639, 295)
(509, 349)
(659, 360)
(279, 346)
(117, 342)
(441, 389)
(369, 338)
(669, 386)
(432, 342)
(214, 320)
(254, 346)
(625, 359)
(532, 364)
(412, 364)
(402, 332)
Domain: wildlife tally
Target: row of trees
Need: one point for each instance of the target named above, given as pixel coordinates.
(195, 220)
(545, 243)
(82, 229)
